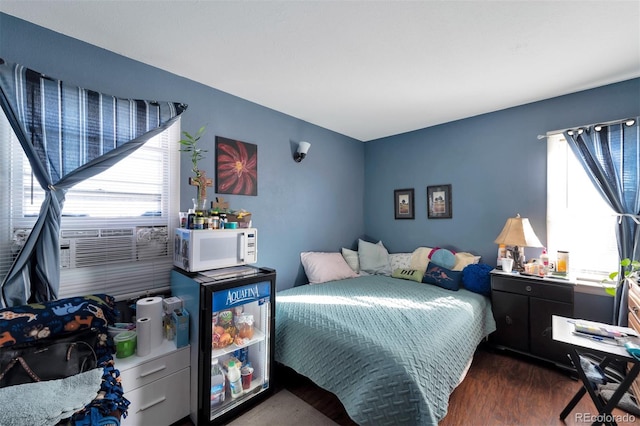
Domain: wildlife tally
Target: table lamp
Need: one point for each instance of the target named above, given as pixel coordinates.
(517, 233)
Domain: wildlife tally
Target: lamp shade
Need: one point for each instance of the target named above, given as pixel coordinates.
(303, 147)
(518, 232)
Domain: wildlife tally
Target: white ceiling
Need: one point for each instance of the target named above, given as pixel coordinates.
(366, 69)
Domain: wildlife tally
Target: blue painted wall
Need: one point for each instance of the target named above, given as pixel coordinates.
(344, 188)
(313, 205)
(494, 162)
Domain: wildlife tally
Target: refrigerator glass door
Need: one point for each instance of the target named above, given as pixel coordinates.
(240, 337)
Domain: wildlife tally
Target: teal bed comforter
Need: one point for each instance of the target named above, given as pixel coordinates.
(391, 350)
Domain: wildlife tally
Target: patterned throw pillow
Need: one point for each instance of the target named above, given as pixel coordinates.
(400, 261)
(442, 277)
(407, 274)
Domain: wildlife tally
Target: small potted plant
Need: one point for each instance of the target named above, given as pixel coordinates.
(189, 144)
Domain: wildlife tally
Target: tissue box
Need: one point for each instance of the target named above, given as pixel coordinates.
(180, 323)
(170, 304)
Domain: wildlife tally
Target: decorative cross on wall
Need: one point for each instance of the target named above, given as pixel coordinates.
(201, 182)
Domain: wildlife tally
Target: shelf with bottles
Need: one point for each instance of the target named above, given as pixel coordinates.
(221, 405)
(253, 377)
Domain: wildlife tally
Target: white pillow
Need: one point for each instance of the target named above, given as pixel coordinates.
(400, 260)
(420, 258)
(351, 257)
(463, 259)
(373, 258)
(322, 267)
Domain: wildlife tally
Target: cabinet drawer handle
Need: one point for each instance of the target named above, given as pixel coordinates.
(528, 288)
(155, 370)
(151, 404)
(508, 320)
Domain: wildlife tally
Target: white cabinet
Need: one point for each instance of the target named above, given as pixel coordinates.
(157, 385)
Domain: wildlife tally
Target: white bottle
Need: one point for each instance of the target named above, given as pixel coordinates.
(217, 384)
(544, 260)
(235, 380)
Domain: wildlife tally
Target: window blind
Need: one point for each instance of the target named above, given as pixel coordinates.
(579, 220)
(117, 227)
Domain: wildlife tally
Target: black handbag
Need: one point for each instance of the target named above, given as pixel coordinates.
(48, 360)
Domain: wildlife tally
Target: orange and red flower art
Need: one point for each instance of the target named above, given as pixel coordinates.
(236, 167)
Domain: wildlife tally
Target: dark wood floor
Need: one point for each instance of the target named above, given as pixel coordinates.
(499, 389)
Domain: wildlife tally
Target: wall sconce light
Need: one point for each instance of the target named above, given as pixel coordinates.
(303, 147)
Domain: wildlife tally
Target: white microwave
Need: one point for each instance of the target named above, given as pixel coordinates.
(203, 249)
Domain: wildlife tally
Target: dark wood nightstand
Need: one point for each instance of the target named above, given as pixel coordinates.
(522, 307)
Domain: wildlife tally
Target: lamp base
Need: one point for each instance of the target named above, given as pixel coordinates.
(517, 254)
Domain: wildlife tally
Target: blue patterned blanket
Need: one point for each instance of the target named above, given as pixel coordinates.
(391, 350)
(42, 322)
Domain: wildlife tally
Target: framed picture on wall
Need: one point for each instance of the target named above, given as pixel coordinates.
(236, 167)
(403, 203)
(439, 202)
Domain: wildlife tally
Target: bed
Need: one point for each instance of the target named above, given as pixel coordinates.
(392, 350)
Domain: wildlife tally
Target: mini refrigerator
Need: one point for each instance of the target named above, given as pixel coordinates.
(231, 315)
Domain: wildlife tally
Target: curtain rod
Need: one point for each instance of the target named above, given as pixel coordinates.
(627, 121)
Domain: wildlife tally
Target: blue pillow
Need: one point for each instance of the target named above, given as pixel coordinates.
(476, 278)
(442, 277)
(443, 257)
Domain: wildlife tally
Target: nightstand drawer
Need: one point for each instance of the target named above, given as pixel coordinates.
(165, 401)
(535, 288)
(154, 369)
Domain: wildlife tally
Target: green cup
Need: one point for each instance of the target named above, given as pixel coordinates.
(125, 344)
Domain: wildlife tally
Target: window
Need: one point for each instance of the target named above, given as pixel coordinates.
(116, 228)
(579, 220)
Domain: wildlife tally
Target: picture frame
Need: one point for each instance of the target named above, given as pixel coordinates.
(439, 202)
(236, 167)
(403, 202)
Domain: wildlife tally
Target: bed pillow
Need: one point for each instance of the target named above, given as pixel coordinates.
(443, 257)
(400, 261)
(442, 277)
(420, 258)
(373, 258)
(463, 259)
(351, 257)
(322, 267)
(477, 278)
(407, 274)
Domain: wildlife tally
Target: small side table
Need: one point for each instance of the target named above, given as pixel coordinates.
(563, 329)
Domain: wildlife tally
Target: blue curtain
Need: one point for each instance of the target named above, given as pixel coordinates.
(68, 134)
(610, 154)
